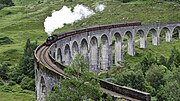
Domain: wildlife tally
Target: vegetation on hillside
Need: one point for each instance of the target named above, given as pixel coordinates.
(6, 3)
(22, 74)
(152, 74)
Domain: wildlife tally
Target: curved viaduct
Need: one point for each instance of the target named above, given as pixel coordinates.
(98, 49)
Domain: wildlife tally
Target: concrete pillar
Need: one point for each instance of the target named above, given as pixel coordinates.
(67, 55)
(155, 37)
(143, 40)
(131, 46)
(104, 56)
(75, 50)
(119, 47)
(94, 55)
(146, 42)
(131, 43)
(59, 55)
(98, 65)
(169, 35)
(42, 90)
(84, 50)
(104, 53)
(110, 59)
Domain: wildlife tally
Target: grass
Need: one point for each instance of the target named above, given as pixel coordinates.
(164, 49)
(15, 93)
(8, 96)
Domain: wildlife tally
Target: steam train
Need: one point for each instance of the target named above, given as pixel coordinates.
(54, 38)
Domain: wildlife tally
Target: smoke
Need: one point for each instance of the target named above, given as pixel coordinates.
(66, 16)
(100, 7)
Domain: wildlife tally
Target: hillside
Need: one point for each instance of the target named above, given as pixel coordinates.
(25, 20)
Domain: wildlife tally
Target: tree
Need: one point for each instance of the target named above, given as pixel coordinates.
(169, 92)
(4, 70)
(155, 75)
(134, 79)
(26, 65)
(147, 62)
(80, 86)
(4, 3)
(28, 83)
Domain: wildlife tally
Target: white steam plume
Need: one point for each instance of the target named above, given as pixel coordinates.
(66, 16)
(100, 7)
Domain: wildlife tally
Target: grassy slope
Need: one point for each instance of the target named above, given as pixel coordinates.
(6, 96)
(164, 49)
(26, 21)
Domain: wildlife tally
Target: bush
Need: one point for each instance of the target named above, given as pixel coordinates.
(19, 79)
(11, 83)
(17, 88)
(28, 83)
(25, 82)
(5, 40)
(6, 88)
(32, 85)
(4, 70)
(7, 2)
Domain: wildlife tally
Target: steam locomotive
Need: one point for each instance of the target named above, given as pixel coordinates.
(54, 38)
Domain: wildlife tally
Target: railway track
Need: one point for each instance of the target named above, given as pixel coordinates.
(44, 59)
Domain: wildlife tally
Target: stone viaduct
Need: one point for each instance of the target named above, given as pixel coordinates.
(98, 49)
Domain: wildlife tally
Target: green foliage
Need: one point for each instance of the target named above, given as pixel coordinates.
(80, 86)
(28, 83)
(15, 96)
(11, 83)
(5, 3)
(134, 79)
(147, 62)
(109, 98)
(5, 40)
(155, 75)
(4, 69)
(152, 74)
(17, 88)
(6, 88)
(26, 65)
(169, 92)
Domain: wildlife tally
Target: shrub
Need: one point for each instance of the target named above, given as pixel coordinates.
(17, 88)
(4, 69)
(25, 82)
(32, 85)
(6, 88)
(11, 83)
(5, 40)
(28, 83)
